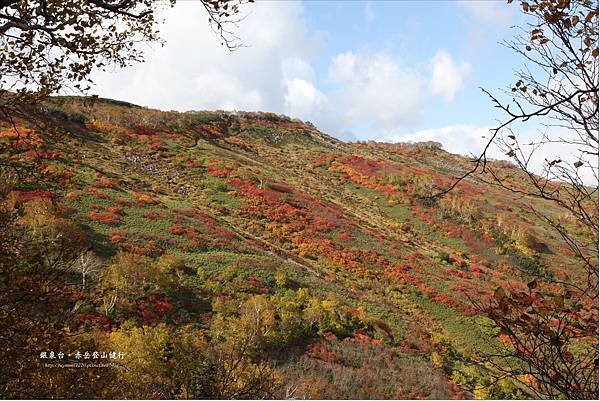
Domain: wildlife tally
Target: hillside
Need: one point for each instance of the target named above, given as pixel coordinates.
(249, 255)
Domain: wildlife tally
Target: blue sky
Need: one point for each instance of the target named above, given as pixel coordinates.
(412, 32)
(384, 70)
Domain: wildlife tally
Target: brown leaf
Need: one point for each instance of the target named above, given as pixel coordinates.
(564, 3)
(499, 294)
(556, 341)
(532, 284)
(553, 162)
(559, 301)
(588, 18)
(525, 317)
(568, 356)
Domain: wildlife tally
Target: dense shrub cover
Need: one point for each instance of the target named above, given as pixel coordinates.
(240, 255)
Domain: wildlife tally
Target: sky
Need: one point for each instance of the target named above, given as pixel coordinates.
(358, 70)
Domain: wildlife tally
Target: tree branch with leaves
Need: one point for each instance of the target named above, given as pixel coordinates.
(552, 330)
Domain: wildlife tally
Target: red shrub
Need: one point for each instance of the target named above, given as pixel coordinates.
(190, 233)
(157, 144)
(73, 196)
(163, 305)
(199, 243)
(145, 199)
(239, 144)
(105, 217)
(105, 182)
(185, 247)
(345, 236)
(143, 131)
(77, 295)
(177, 230)
(155, 215)
(32, 154)
(52, 154)
(403, 267)
(216, 169)
(147, 249)
(153, 309)
(93, 319)
(191, 163)
(255, 281)
(117, 236)
(458, 273)
(34, 194)
(96, 193)
(190, 212)
(458, 260)
(323, 159)
(123, 202)
(321, 351)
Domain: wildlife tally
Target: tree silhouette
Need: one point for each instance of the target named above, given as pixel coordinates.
(552, 329)
(48, 45)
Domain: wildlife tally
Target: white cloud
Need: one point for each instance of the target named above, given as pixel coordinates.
(487, 21)
(295, 67)
(497, 14)
(193, 71)
(303, 100)
(459, 139)
(447, 76)
(362, 92)
(377, 88)
(471, 140)
(553, 143)
(222, 91)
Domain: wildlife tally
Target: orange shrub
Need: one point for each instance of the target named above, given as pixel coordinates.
(177, 230)
(117, 236)
(105, 182)
(155, 215)
(145, 199)
(123, 202)
(73, 196)
(105, 217)
(96, 193)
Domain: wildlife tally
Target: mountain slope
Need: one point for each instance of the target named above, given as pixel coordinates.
(366, 280)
